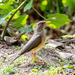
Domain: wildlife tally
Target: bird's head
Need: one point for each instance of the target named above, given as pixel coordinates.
(41, 24)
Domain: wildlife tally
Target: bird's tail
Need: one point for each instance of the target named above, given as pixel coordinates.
(14, 59)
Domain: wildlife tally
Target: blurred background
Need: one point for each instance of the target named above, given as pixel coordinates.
(61, 13)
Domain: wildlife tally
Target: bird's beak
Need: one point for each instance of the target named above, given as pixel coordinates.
(47, 22)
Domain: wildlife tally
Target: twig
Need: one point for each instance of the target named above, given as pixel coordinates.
(39, 13)
(4, 31)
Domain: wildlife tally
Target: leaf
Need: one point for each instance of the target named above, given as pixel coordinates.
(24, 37)
(4, 17)
(26, 29)
(28, 6)
(58, 19)
(5, 8)
(24, 20)
(72, 66)
(35, 70)
(21, 21)
(43, 5)
(11, 1)
(70, 3)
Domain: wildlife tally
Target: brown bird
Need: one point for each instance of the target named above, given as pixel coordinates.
(36, 42)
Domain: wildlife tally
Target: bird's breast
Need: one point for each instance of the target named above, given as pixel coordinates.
(36, 49)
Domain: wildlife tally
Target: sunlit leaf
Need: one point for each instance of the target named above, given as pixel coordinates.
(68, 36)
(5, 8)
(70, 3)
(58, 19)
(24, 37)
(24, 20)
(43, 5)
(28, 6)
(72, 66)
(35, 70)
(16, 15)
(11, 1)
(21, 21)
(34, 24)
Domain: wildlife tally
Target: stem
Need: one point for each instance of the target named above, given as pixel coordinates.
(50, 6)
(4, 31)
(38, 13)
(58, 8)
(70, 12)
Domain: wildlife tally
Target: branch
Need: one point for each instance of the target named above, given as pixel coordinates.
(4, 31)
(39, 13)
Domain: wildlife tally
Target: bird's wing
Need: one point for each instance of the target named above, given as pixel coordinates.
(32, 43)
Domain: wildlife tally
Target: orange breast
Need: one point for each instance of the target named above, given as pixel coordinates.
(38, 47)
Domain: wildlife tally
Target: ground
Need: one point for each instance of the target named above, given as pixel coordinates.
(24, 65)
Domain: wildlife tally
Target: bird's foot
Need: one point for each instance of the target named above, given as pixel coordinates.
(38, 62)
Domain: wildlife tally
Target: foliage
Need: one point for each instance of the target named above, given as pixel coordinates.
(43, 5)
(26, 29)
(20, 21)
(6, 7)
(52, 71)
(70, 3)
(24, 37)
(58, 19)
(9, 70)
(69, 36)
(28, 6)
(4, 18)
(73, 73)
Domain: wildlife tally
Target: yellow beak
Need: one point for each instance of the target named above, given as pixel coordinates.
(47, 22)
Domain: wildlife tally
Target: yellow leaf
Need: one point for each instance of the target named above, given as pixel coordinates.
(35, 70)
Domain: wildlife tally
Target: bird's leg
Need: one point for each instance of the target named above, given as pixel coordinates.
(35, 58)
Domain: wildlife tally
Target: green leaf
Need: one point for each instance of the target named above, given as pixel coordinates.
(5, 8)
(34, 70)
(43, 5)
(16, 15)
(24, 37)
(58, 19)
(11, 1)
(69, 36)
(28, 6)
(4, 17)
(26, 29)
(24, 20)
(21, 21)
(70, 3)
(71, 66)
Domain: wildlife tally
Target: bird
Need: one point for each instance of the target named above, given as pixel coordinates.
(36, 42)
